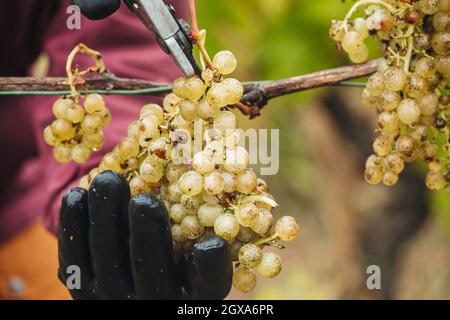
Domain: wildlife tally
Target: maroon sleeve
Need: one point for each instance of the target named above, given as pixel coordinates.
(129, 50)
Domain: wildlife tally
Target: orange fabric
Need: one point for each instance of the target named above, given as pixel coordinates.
(29, 265)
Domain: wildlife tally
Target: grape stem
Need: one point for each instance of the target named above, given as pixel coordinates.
(72, 76)
(361, 3)
(410, 49)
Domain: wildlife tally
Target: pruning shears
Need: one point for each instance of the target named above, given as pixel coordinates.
(173, 35)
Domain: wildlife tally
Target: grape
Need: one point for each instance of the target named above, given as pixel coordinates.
(128, 148)
(230, 182)
(225, 120)
(428, 6)
(75, 113)
(213, 183)
(382, 145)
(352, 42)
(94, 104)
(149, 126)
(62, 129)
(62, 153)
(360, 26)
(177, 213)
(91, 124)
(49, 138)
(177, 233)
(174, 193)
(235, 90)
(236, 160)
(246, 214)
(225, 62)
(217, 95)
(250, 256)
(416, 86)
(373, 175)
(80, 153)
(381, 21)
(191, 227)
(205, 111)
(188, 110)
(60, 108)
(441, 43)
(394, 163)
(208, 76)
(111, 161)
(191, 183)
(161, 148)
(408, 111)
(390, 178)
(202, 163)
(151, 171)
(425, 68)
(287, 228)
(405, 146)
(246, 235)
(428, 103)
(360, 55)
(195, 88)
(226, 226)
(244, 279)
(388, 121)
(152, 109)
(435, 180)
(138, 185)
(171, 102)
(179, 89)
(395, 79)
(390, 100)
(208, 214)
(246, 181)
(191, 203)
(375, 84)
(175, 171)
(270, 265)
(263, 222)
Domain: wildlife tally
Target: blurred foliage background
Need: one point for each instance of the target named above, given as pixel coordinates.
(325, 136)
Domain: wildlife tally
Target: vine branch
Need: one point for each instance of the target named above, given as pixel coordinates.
(256, 95)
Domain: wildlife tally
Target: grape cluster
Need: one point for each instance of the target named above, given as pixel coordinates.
(409, 89)
(77, 129)
(207, 188)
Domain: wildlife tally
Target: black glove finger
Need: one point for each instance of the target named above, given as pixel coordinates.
(209, 269)
(73, 244)
(97, 9)
(151, 249)
(108, 234)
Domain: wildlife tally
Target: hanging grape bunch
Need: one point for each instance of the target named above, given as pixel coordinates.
(208, 189)
(77, 129)
(409, 90)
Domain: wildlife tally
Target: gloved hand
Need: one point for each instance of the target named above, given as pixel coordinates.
(97, 9)
(124, 250)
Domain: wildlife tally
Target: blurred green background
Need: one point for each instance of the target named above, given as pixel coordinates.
(325, 136)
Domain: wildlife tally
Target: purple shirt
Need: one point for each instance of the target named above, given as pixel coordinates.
(31, 181)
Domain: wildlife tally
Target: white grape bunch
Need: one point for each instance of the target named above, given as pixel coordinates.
(77, 129)
(409, 89)
(210, 189)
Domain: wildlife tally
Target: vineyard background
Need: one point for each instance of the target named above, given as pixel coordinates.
(325, 137)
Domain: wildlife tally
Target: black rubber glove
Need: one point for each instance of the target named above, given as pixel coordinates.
(97, 9)
(123, 248)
